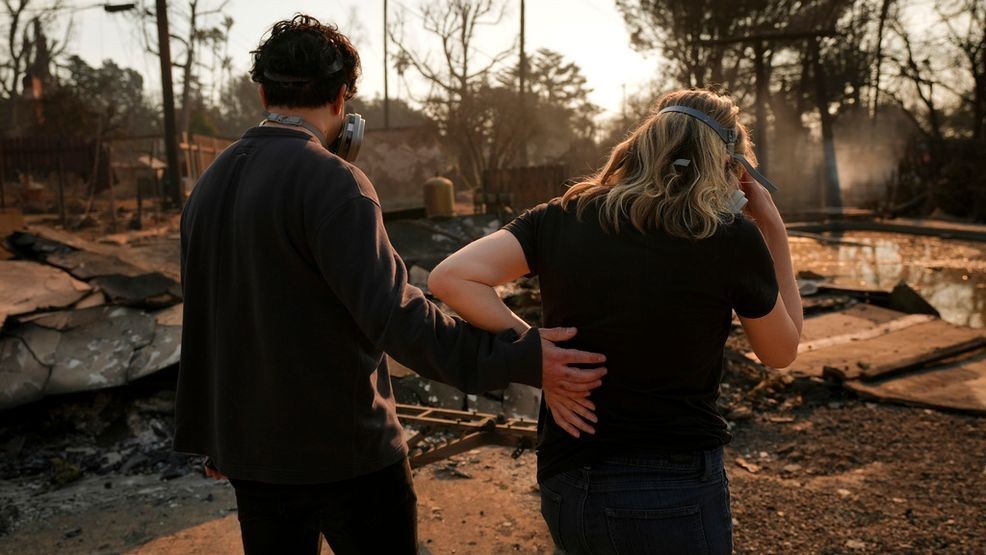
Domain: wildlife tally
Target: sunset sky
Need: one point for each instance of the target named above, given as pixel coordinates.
(590, 32)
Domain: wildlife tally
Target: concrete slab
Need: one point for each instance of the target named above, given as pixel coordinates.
(87, 265)
(98, 353)
(22, 377)
(960, 386)
(891, 352)
(26, 287)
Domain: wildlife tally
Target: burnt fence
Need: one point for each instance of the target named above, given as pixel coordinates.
(517, 189)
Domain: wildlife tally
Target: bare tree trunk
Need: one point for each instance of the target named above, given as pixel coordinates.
(833, 193)
(884, 13)
(188, 68)
(760, 129)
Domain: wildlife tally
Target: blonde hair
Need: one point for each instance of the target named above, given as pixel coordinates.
(641, 183)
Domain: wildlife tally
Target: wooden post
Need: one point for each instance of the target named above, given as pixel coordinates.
(176, 194)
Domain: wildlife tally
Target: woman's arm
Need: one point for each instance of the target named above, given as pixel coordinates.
(774, 337)
(465, 282)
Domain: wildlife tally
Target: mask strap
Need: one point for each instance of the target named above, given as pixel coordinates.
(728, 136)
(296, 121)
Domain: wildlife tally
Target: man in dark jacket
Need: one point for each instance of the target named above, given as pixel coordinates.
(293, 293)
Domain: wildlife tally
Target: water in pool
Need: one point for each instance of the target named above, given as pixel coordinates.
(949, 274)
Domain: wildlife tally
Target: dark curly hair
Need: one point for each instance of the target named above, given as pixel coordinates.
(303, 63)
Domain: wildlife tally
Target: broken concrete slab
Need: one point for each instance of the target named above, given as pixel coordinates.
(94, 347)
(41, 341)
(855, 324)
(34, 246)
(170, 316)
(152, 290)
(160, 255)
(96, 298)
(29, 287)
(428, 242)
(87, 265)
(960, 386)
(895, 351)
(428, 392)
(483, 403)
(521, 401)
(164, 350)
(22, 377)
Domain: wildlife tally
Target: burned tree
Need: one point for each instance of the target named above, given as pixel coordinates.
(202, 31)
(27, 52)
(457, 81)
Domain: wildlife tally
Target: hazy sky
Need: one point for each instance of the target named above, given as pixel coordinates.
(589, 32)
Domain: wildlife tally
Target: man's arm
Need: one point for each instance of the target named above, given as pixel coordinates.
(357, 260)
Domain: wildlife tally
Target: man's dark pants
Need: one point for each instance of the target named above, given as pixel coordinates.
(374, 513)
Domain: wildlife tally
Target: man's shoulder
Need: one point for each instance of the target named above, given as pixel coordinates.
(336, 176)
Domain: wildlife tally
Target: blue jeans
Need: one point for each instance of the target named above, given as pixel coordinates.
(674, 504)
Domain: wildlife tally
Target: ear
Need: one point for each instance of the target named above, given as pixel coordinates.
(339, 104)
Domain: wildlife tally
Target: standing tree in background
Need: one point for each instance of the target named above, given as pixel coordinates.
(457, 80)
(25, 44)
(560, 124)
(108, 97)
(206, 25)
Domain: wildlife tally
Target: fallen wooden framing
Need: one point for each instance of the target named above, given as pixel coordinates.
(934, 228)
(478, 429)
(958, 386)
(892, 355)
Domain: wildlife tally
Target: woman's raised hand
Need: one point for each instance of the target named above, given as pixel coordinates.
(760, 205)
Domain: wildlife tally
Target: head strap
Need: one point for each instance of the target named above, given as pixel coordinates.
(728, 136)
(296, 79)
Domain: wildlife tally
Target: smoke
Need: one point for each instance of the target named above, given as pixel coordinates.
(867, 155)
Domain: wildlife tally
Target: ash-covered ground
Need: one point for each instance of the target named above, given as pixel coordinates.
(813, 468)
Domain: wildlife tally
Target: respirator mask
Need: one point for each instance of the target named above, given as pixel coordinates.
(347, 144)
(728, 136)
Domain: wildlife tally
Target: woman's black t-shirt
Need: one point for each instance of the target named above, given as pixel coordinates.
(659, 307)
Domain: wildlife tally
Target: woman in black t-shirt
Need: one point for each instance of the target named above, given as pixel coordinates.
(648, 258)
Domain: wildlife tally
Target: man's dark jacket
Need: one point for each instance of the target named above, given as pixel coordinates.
(293, 293)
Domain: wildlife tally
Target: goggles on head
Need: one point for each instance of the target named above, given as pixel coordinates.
(728, 136)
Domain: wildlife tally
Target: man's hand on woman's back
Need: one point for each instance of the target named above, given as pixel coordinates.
(566, 388)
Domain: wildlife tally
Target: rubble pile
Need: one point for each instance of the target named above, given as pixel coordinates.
(75, 320)
(57, 441)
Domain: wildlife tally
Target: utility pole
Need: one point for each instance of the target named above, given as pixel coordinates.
(174, 188)
(386, 72)
(522, 74)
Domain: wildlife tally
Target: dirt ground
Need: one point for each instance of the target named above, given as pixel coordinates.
(813, 469)
(836, 475)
